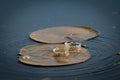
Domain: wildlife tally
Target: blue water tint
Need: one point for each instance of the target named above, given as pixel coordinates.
(19, 18)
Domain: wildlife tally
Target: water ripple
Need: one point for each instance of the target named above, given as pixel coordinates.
(103, 59)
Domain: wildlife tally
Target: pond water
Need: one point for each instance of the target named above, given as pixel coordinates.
(20, 18)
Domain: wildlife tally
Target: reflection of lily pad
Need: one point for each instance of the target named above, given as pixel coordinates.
(42, 55)
(59, 34)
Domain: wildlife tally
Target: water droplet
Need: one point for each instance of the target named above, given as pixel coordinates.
(26, 57)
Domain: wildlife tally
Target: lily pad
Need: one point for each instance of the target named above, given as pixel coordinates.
(60, 34)
(42, 55)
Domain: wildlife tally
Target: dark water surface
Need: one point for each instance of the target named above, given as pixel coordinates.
(19, 18)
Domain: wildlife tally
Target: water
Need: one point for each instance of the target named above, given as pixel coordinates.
(19, 19)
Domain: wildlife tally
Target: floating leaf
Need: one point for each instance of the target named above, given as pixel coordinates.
(60, 34)
(42, 55)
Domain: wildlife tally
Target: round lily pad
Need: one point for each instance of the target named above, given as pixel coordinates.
(60, 34)
(42, 55)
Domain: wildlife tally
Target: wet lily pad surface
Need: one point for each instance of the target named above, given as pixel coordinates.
(42, 55)
(60, 34)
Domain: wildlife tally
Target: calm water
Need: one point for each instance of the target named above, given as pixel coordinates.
(19, 18)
